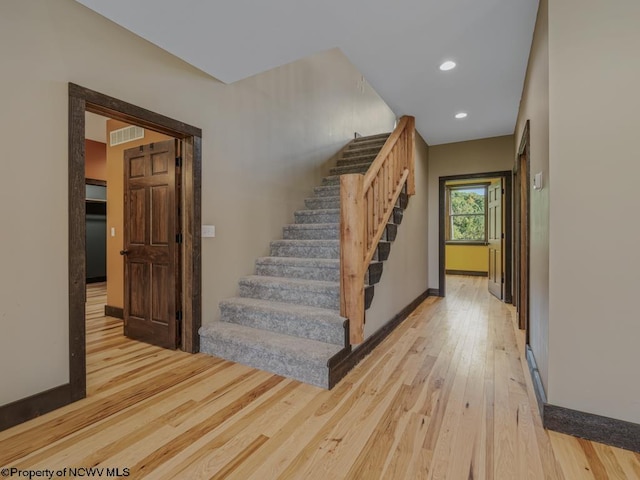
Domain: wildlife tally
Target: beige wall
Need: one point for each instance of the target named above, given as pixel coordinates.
(266, 141)
(404, 275)
(475, 156)
(594, 326)
(115, 209)
(534, 106)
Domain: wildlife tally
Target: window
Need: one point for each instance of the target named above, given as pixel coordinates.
(467, 208)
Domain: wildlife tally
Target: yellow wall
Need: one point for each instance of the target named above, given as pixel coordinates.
(472, 258)
(115, 209)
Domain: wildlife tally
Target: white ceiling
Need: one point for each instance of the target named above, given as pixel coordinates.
(397, 45)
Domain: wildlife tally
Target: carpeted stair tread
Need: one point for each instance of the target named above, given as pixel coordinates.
(358, 150)
(311, 231)
(327, 202)
(306, 248)
(327, 191)
(361, 142)
(286, 319)
(368, 138)
(315, 293)
(298, 358)
(321, 215)
(331, 180)
(325, 269)
(296, 283)
(354, 168)
(354, 160)
(319, 203)
(299, 261)
(301, 321)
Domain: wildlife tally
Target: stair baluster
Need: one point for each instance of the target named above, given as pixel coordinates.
(366, 205)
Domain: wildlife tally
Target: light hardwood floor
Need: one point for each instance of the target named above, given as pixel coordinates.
(444, 397)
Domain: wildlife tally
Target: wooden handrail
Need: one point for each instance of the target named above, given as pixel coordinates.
(366, 205)
(384, 152)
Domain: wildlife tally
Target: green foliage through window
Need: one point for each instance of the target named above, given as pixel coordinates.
(467, 210)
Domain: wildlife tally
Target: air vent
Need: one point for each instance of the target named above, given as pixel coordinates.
(125, 135)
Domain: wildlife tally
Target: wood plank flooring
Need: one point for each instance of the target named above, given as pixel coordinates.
(444, 397)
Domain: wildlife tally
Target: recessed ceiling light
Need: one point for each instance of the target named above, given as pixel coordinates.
(448, 65)
(461, 115)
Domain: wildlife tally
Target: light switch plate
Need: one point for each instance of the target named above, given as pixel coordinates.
(208, 231)
(537, 181)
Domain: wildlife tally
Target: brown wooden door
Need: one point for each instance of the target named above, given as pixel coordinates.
(494, 226)
(150, 244)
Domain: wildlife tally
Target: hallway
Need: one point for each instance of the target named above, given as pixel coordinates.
(445, 396)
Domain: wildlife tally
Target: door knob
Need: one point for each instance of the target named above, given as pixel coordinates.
(124, 252)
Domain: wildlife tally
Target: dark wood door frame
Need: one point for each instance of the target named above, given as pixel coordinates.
(522, 172)
(507, 176)
(80, 100)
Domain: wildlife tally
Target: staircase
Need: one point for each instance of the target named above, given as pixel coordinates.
(287, 317)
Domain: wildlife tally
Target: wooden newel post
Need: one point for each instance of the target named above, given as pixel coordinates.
(352, 253)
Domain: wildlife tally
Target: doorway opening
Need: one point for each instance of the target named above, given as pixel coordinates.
(96, 198)
(475, 229)
(188, 192)
(133, 230)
